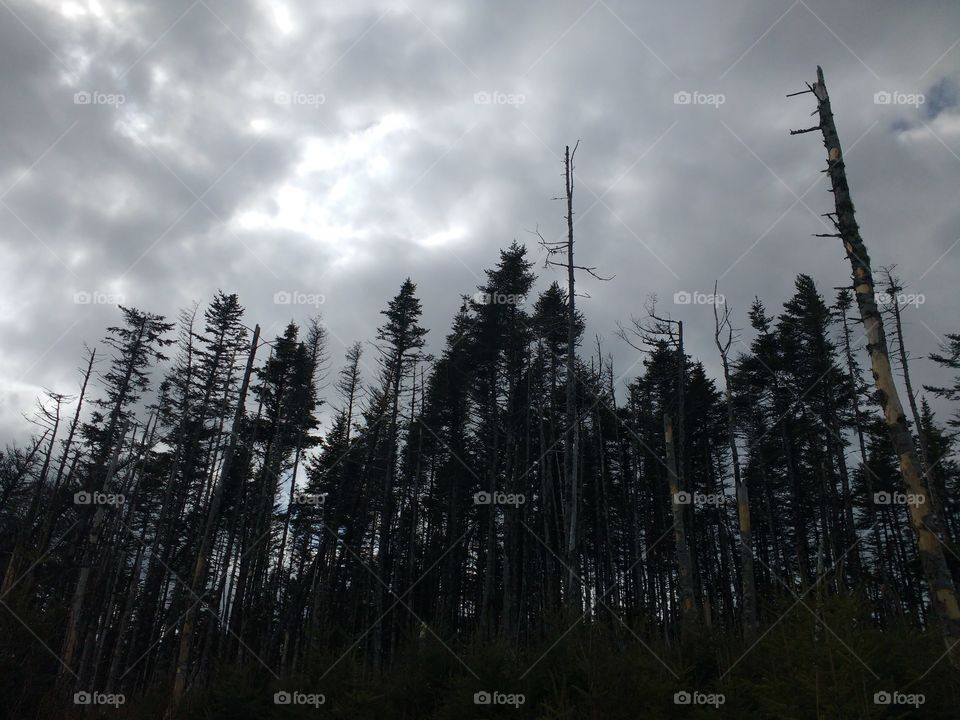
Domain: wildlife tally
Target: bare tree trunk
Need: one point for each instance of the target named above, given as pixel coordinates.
(688, 607)
(743, 497)
(925, 523)
(572, 444)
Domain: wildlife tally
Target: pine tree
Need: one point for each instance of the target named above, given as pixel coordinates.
(400, 340)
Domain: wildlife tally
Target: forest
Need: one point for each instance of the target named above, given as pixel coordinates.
(215, 523)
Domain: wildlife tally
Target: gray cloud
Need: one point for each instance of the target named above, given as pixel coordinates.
(378, 162)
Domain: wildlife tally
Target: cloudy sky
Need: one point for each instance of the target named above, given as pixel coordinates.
(153, 152)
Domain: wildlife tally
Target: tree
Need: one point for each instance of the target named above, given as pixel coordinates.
(948, 357)
(723, 338)
(400, 340)
(925, 523)
(571, 504)
(137, 345)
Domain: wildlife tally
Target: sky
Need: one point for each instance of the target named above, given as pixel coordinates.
(309, 156)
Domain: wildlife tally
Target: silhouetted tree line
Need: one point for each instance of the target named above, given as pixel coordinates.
(218, 525)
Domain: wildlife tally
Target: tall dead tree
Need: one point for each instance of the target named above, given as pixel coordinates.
(925, 523)
(723, 337)
(688, 606)
(652, 332)
(572, 432)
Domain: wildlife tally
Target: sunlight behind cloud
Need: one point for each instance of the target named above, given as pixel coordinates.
(945, 126)
(72, 10)
(282, 18)
(443, 237)
(347, 166)
(362, 148)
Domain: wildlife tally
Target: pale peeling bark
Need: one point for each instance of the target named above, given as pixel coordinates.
(688, 606)
(925, 523)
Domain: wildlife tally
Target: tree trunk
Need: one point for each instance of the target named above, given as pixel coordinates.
(925, 523)
(198, 579)
(88, 555)
(688, 607)
(572, 444)
(749, 618)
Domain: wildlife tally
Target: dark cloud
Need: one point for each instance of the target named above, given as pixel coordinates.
(333, 149)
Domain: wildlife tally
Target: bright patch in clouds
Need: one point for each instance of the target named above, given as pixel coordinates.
(443, 237)
(72, 10)
(281, 17)
(260, 125)
(363, 148)
(292, 210)
(345, 166)
(943, 127)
